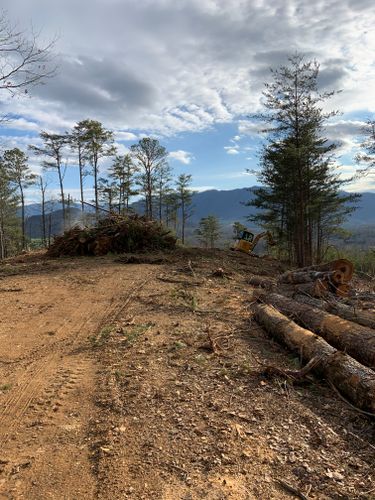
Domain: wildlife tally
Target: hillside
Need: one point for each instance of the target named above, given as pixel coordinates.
(228, 206)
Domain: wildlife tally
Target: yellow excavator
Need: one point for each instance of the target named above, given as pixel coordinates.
(247, 241)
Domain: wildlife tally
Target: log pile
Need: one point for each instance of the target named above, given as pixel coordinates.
(355, 381)
(357, 340)
(309, 315)
(116, 234)
(319, 281)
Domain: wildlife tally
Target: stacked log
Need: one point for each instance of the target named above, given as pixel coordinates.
(357, 340)
(343, 265)
(267, 283)
(318, 281)
(339, 309)
(354, 380)
(315, 321)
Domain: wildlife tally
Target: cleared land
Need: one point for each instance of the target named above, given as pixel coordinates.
(109, 388)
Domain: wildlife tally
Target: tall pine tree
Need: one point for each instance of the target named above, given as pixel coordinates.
(300, 199)
(9, 221)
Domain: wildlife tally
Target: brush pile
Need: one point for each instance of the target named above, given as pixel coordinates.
(116, 234)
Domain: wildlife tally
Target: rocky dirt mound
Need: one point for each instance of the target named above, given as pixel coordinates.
(113, 234)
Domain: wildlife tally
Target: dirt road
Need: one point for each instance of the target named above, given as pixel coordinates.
(50, 315)
(111, 388)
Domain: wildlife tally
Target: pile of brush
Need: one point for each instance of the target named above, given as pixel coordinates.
(116, 234)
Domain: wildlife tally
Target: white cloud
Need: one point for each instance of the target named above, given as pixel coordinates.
(200, 189)
(231, 150)
(126, 136)
(182, 156)
(168, 67)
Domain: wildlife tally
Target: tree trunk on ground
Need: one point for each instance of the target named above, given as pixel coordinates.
(299, 276)
(343, 265)
(351, 378)
(356, 340)
(342, 310)
(266, 283)
(318, 288)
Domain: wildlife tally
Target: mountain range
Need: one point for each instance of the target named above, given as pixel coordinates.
(227, 205)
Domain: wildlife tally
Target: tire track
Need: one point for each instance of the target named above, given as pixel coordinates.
(36, 377)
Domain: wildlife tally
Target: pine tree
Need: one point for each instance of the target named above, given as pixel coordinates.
(185, 199)
(18, 170)
(171, 206)
(367, 157)
(149, 156)
(208, 231)
(9, 222)
(78, 140)
(123, 173)
(108, 192)
(300, 184)
(52, 151)
(163, 178)
(98, 143)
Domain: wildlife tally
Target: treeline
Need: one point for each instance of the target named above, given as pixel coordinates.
(144, 172)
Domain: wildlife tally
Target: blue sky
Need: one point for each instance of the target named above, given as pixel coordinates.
(190, 73)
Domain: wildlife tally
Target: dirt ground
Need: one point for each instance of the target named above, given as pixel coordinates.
(109, 388)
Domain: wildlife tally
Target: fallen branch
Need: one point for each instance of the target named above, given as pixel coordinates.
(294, 374)
(213, 344)
(348, 402)
(292, 489)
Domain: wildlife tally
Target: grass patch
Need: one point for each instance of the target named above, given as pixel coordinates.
(185, 298)
(132, 334)
(104, 334)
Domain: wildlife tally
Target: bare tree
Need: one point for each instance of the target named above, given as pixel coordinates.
(23, 62)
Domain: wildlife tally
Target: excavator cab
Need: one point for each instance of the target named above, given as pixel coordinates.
(246, 241)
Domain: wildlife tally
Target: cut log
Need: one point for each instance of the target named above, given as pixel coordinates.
(344, 311)
(352, 379)
(262, 282)
(343, 265)
(318, 288)
(343, 290)
(356, 340)
(299, 276)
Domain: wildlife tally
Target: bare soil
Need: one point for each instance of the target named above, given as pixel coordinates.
(110, 388)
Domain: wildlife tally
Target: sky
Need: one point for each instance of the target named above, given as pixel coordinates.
(191, 73)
